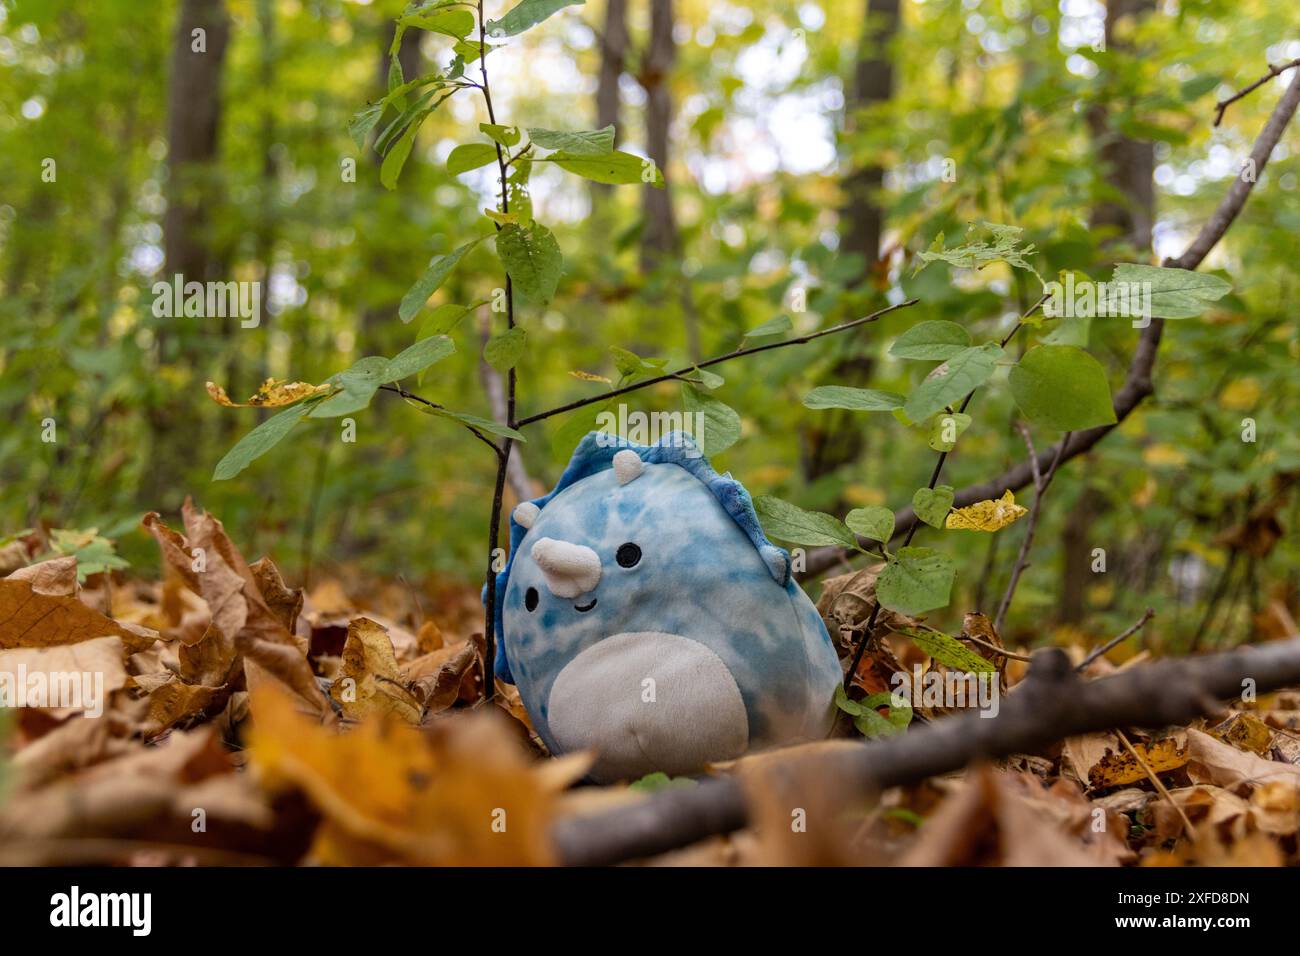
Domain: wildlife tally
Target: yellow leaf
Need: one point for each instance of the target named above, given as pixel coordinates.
(589, 377)
(1240, 395)
(273, 393)
(1161, 454)
(504, 218)
(371, 681)
(987, 515)
(461, 792)
(1123, 767)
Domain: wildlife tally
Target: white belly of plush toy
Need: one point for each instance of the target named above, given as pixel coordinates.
(648, 700)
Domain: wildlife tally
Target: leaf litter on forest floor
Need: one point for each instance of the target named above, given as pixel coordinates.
(317, 728)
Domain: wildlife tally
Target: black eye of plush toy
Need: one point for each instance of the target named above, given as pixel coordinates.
(530, 599)
(627, 555)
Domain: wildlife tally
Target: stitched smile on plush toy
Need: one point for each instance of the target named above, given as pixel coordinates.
(586, 607)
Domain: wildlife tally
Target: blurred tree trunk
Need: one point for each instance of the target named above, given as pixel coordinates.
(660, 241)
(1129, 164)
(660, 236)
(1129, 167)
(193, 124)
(193, 127)
(613, 57)
(873, 83)
(838, 438)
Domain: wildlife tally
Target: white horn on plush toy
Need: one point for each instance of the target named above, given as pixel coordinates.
(570, 569)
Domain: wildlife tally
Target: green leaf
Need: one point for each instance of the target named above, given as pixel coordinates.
(629, 363)
(1175, 293)
(721, 428)
(453, 23)
(915, 581)
(533, 260)
(482, 424)
(435, 273)
(444, 318)
(986, 242)
(363, 122)
(591, 142)
(933, 505)
(934, 340)
(505, 135)
(778, 326)
(418, 357)
(873, 521)
(1198, 86)
(952, 381)
(866, 716)
(258, 442)
(504, 351)
(357, 387)
(469, 156)
(709, 379)
(1062, 387)
(951, 652)
(396, 158)
(1070, 332)
(791, 523)
(945, 426)
(527, 14)
(857, 399)
(615, 168)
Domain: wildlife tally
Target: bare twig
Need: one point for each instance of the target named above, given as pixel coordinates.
(716, 360)
(1041, 481)
(1273, 71)
(1155, 781)
(1115, 641)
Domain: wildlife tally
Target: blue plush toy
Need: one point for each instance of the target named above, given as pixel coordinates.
(644, 615)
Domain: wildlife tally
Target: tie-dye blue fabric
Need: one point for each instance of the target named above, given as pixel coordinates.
(706, 572)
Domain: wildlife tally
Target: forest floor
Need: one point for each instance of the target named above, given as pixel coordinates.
(247, 722)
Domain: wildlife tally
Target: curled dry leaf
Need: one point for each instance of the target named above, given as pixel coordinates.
(1210, 761)
(30, 618)
(273, 393)
(987, 515)
(243, 624)
(460, 792)
(81, 675)
(371, 681)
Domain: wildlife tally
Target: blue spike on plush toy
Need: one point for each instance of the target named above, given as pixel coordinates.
(644, 615)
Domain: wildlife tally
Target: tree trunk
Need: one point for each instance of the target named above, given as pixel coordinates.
(873, 82)
(659, 240)
(613, 56)
(1129, 169)
(193, 123)
(837, 438)
(1129, 164)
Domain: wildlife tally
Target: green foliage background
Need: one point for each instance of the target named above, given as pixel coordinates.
(992, 86)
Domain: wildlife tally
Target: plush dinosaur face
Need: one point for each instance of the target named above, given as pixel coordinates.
(641, 618)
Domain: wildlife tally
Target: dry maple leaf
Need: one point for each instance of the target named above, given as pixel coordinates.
(273, 393)
(243, 626)
(460, 792)
(1122, 766)
(30, 618)
(371, 681)
(987, 515)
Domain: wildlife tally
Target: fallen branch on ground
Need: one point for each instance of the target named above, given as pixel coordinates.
(1052, 703)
